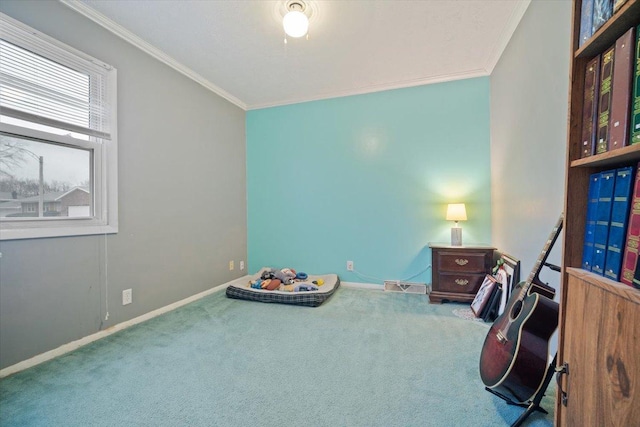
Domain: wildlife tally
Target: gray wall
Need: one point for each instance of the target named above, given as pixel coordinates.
(529, 96)
(182, 203)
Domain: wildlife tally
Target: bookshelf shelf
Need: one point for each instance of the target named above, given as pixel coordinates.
(599, 326)
(607, 285)
(628, 16)
(622, 155)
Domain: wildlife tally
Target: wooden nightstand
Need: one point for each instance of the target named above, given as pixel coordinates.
(458, 271)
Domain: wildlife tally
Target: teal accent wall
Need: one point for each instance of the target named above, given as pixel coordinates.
(367, 178)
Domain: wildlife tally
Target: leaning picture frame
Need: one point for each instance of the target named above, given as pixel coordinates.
(484, 295)
(511, 267)
(504, 279)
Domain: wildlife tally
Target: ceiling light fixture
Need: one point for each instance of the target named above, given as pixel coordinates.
(295, 22)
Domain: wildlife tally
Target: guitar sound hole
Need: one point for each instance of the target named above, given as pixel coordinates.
(515, 311)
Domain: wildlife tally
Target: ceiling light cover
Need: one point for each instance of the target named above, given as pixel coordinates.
(296, 24)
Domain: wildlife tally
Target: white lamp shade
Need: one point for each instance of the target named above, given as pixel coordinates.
(456, 212)
(296, 24)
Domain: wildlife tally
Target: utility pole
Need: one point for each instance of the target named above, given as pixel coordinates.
(41, 189)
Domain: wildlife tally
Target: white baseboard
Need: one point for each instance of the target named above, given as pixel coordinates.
(370, 286)
(74, 345)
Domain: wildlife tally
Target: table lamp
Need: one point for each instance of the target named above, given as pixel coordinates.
(456, 212)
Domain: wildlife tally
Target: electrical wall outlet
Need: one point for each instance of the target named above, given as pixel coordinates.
(127, 296)
(241, 265)
(231, 267)
(349, 265)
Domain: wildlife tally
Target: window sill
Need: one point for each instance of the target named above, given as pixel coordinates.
(63, 231)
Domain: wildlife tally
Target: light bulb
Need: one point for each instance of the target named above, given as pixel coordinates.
(296, 24)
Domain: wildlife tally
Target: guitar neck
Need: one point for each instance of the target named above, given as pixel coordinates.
(542, 258)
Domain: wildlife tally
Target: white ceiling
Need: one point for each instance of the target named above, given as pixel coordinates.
(236, 47)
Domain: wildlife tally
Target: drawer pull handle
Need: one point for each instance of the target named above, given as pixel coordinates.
(462, 261)
(462, 282)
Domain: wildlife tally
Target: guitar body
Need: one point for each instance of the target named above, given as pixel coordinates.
(514, 361)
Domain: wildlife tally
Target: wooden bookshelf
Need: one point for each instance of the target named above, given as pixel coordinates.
(599, 329)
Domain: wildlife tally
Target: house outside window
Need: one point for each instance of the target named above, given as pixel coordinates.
(58, 139)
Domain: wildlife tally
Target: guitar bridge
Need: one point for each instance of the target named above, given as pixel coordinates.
(501, 338)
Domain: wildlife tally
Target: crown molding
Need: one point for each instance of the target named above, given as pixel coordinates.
(156, 53)
(130, 37)
(377, 88)
(507, 33)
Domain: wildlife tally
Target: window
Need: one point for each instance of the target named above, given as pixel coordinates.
(58, 145)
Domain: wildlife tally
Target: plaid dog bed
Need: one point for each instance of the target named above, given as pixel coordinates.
(306, 298)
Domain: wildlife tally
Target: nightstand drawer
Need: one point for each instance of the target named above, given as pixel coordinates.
(458, 271)
(463, 262)
(460, 282)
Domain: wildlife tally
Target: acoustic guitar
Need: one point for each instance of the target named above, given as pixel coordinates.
(513, 362)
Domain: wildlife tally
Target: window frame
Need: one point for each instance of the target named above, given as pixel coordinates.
(104, 161)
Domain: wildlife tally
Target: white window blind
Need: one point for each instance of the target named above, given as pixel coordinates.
(58, 132)
(48, 85)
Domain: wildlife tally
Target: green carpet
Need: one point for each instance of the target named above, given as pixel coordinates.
(364, 358)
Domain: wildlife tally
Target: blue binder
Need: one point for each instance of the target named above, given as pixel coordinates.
(603, 218)
(590, 226)
(602, 11)
(619, 220)
(586, 21)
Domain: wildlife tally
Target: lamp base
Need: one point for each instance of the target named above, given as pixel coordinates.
(456, 236)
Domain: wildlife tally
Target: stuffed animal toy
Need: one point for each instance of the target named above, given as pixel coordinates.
(306, 287)
(273, 284)
(267, 274)
(290, 272)
(284, 277)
